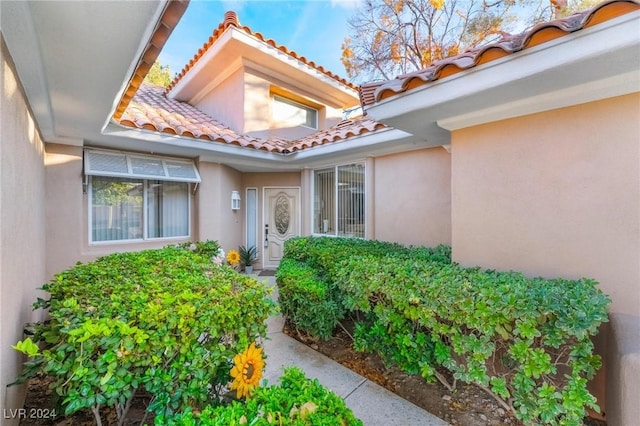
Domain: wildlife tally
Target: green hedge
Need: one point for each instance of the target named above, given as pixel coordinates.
(307, 299)
(297, 400)
(307, 276)
(165, 321)
(526, 341)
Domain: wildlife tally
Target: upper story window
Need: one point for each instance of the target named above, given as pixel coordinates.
(339, 201)
(291, 113)
(134, 197)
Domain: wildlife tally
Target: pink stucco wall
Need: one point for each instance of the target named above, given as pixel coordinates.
(22, 227)
(412, 197)
(226, 102)
(243, 102)
(215, 219)
(557, 194)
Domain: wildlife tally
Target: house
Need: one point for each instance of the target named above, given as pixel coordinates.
(544, 133)
(499, 152)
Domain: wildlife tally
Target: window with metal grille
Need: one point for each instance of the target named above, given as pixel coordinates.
(339, 201)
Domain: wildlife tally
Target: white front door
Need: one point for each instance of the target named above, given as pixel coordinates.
(281, 222)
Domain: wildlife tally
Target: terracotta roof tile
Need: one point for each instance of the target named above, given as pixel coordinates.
(344, 130)
(371, 93)
(170, 16)
(150, 109)
(231, 20)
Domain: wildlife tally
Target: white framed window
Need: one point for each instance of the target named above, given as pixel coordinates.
(136, 198)
(339, 201)
(122, 209)
(286, 112)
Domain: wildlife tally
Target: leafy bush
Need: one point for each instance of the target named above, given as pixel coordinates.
(296, 401)
(525, 341)
(308, 300)
(307, 276)
(166, 321)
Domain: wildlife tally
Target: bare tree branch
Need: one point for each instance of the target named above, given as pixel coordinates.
(391, 37)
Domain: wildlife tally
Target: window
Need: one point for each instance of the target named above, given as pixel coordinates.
(339, 201)
(286, 112)
(134, 197)
(127, 209)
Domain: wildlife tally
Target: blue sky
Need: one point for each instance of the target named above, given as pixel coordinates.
(314, 29)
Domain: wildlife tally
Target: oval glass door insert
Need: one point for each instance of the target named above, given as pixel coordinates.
(282, 215)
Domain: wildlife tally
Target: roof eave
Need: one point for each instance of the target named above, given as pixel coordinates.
(376, 143)
(236, 44)
(591, 64)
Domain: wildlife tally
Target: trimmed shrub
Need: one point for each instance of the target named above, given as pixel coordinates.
(165, 321)
(307, 277)
(526, 341)
(296, 401)
(308, 300)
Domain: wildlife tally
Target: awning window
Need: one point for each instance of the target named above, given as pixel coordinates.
(117, 164)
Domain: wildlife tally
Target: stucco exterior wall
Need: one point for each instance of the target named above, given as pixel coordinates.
(258, 113)
(215, 219)
(557, 194)
(412, 198)
(554, 194)
(257, 106)
(22, 227)
(225, 102)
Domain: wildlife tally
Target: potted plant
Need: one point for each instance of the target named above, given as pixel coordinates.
(248, 255)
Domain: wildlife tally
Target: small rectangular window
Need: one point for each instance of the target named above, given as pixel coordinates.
(117, 164)
(286, 112)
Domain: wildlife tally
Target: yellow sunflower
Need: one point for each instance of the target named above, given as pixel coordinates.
(247, 371)
(233, 257)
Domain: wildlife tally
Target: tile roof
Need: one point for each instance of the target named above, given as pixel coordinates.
(172, 13)
(150, 109)
(231, 20)
(371, 93)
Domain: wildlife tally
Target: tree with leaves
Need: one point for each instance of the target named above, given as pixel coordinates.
(393, 37)
(159, 75)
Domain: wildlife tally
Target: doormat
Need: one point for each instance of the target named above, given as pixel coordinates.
(267, 273)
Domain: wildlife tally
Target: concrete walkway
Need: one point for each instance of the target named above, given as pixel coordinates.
(371, 403)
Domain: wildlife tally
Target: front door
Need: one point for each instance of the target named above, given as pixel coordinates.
(281, 222)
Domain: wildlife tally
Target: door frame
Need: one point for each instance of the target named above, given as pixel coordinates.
(247, 218)
(264, 214)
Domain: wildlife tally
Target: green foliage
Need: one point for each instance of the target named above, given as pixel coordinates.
(248, 255)
(307, 299)
(527, 341)
(167, 321)
(160, 75)
(296, 401)
(27, 347)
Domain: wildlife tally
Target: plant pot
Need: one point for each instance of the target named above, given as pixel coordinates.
(248, 269)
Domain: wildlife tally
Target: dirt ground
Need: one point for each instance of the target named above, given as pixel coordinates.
(468, 405)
